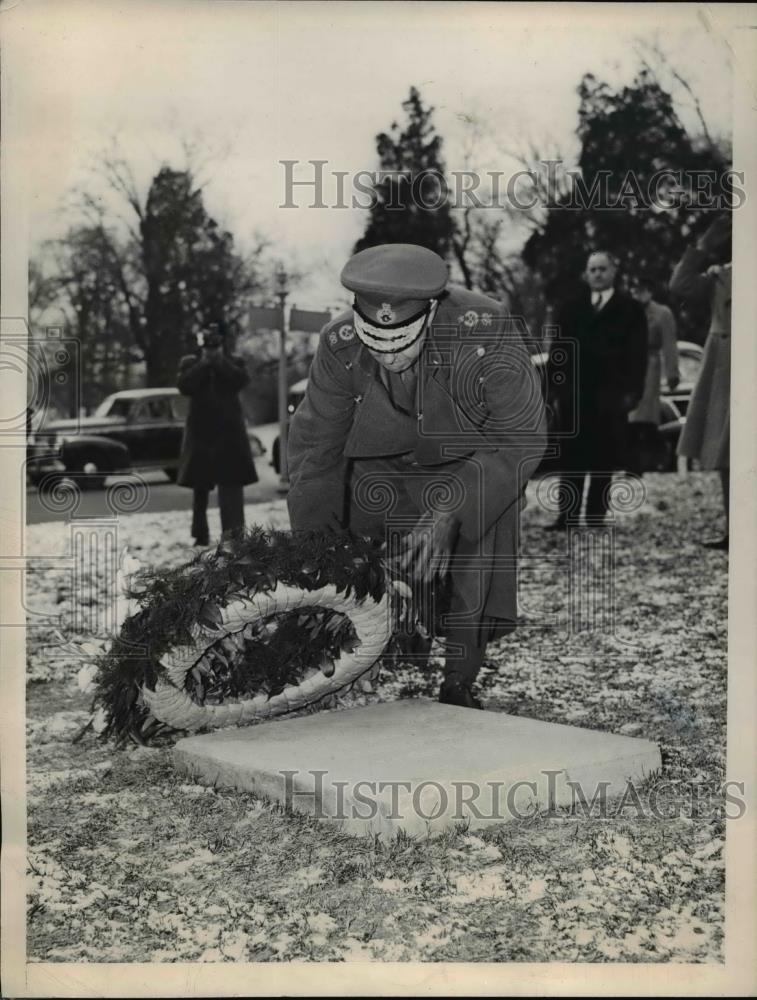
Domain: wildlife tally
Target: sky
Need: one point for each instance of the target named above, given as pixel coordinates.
(247, 85)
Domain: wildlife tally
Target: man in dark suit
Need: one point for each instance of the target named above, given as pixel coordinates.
(605, 332)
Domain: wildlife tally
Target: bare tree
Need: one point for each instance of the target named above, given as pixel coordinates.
(658, 63)
(171, 267)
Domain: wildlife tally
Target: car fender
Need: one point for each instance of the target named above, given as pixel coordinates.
(113, 454)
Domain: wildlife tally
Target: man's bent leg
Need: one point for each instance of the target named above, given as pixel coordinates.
(464, 656)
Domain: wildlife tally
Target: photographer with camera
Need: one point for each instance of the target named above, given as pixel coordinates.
(215, 450)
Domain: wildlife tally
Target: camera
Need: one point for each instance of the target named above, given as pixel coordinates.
(211, 338)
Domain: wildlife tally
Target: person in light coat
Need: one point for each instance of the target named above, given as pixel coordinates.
(662, 356)
(706, 434)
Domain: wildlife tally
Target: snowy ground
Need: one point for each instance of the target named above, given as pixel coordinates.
(129, 863)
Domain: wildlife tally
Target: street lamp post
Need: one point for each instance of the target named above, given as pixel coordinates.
(282, 290)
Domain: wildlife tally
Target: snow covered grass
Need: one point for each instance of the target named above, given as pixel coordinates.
(130, 863)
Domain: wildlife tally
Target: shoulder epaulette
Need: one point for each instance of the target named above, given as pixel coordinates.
(340, 333)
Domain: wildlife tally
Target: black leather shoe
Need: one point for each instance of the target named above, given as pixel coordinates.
(202, 541)
(720, 544)
(455, 691)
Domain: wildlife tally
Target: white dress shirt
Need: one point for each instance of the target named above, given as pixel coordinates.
(600, 299)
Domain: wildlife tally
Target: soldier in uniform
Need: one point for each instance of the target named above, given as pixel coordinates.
(423, 418)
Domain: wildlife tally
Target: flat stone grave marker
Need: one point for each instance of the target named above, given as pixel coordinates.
(417, 765)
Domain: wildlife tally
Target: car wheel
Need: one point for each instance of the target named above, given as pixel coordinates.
(49, 481)
(91, 475)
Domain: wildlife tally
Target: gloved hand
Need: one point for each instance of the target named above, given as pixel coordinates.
(716, 235)
(427, 547)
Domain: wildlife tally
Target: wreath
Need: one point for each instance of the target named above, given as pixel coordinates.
(264, 625)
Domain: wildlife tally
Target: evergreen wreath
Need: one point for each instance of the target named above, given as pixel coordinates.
(263, 625)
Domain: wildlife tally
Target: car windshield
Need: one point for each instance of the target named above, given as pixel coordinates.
(114, 406)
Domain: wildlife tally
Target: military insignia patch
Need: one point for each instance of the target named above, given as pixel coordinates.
(470, 318)
(486, 319)
(346, 332)
(386, 313)
(333, 338)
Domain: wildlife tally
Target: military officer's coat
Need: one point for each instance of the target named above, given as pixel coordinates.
(476, 436)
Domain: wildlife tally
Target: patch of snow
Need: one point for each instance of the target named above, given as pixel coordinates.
(199, 856)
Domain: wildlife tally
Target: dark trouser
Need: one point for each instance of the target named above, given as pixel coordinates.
(231, 506)
(571, 491)
(641, 447)
(465, 646)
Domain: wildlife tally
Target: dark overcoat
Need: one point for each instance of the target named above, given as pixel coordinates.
(597, 366)
(477, 435)
(215, 448)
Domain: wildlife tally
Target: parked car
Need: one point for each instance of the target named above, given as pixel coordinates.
(134, 429)
(294, 397)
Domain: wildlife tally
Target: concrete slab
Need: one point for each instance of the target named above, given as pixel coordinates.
(417, 765)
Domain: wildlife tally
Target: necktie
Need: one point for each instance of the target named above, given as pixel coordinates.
(597, 301)
(401, 387)
(409, 380)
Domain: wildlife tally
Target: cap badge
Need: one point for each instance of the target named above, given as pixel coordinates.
(386, 313)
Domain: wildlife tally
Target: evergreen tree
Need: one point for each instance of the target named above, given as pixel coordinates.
(189, 267)
(411, 205)
(627, 138)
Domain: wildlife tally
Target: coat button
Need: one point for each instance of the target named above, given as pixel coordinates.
(358, 399)
(420, 416)
(481, 351)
